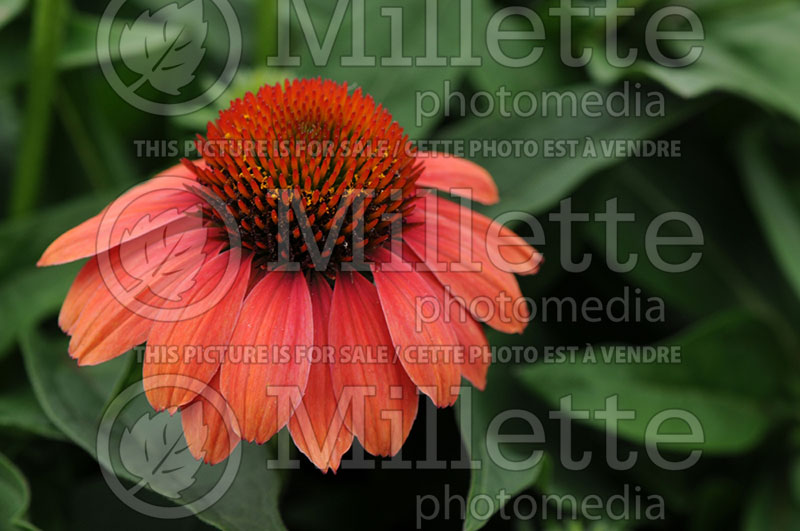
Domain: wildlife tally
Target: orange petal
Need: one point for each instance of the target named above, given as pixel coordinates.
(317, 427)
(109, 325)
(209, 425)
(451, 240)
(83, 287)
(491, 240)
(457, 176)
(425, 346)
(384, 401)
(476, 355)
(145, 207)
(193, 347)
(262, 385)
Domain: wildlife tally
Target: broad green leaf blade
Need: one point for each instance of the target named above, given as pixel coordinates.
(772, 202)
(727, 378)
(746, 51)
(75, 398)
(536, 183)
(252, 501)
(14, 496)
(22, 241)
(72, 397)
(29, 297)
(643, 190)
(496, 71)
(19, 410)
(696, 199)
(491, 478)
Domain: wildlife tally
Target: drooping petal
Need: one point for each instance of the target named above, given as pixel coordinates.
(475, 355)
(456, 175)
(146, 277)
(317, 427)
(367, 376)
(83, 287)
(451, 240)
(146, 207)
(209, 425)
(266, 370)
(184, 346)
(425, 344)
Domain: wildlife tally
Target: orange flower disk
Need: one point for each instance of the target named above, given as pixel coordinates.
(337, 155)
(197, 264)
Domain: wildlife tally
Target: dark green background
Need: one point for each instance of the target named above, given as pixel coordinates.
(67, 148)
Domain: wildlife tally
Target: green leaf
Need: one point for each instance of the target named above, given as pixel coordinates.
(693, 188)
(771, 199)
(19, 410)
(22, 241)
(491, 478)
(14, 496)
(746, 51)
(645, 191)
(75, 398)
(727, 378)
(72, 397)
(536, 183)
(252, 501)
(546, 72)
(29, 297)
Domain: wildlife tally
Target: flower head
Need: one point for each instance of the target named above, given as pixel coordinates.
(302, 272)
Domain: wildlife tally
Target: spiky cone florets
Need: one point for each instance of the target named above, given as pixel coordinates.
(309, 160)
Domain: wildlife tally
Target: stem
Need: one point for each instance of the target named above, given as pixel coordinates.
(48, 22)
(85, 148)
(266, 12)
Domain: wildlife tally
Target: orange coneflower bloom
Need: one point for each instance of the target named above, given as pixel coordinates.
(231, 268)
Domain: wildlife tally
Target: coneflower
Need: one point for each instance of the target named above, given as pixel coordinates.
(305, 224)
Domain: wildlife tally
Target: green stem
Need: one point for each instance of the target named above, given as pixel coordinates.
(48, 22)
(85, 148)
(265, 44)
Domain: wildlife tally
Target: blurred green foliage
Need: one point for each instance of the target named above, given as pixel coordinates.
(67, 147)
